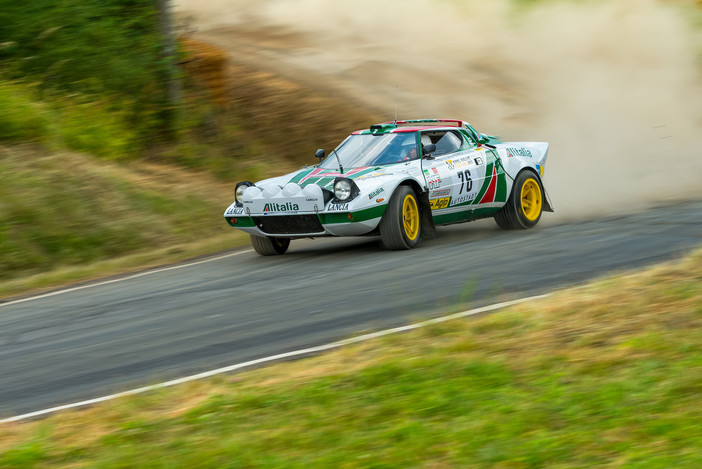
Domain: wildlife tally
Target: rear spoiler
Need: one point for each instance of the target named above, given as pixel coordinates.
(428, 122)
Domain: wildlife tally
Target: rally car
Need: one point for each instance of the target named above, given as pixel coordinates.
(398, 180)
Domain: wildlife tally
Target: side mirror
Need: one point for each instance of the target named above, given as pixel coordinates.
(320, 154)
(427, 150)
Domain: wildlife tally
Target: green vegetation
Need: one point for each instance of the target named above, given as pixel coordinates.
(607, 375)
(84, 112)
(62, 209)
(58, 123)
(21, 118)
(110, 51)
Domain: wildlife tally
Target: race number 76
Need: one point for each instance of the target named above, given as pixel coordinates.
(466, 181)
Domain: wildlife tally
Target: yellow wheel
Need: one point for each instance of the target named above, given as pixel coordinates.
(410, 217)
(401, 227)
(524, 205)
(531, 199)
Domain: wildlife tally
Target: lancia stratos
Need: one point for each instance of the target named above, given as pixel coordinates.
(398, 180)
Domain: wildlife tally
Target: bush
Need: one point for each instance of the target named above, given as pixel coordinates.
(93, 128)
(20, 118)
(111, 49)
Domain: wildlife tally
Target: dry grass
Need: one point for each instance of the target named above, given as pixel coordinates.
(592, 371)
(115, 218)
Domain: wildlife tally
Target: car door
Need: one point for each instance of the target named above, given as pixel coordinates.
(452, 174)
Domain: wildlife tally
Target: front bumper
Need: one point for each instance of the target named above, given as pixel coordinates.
(309, 225)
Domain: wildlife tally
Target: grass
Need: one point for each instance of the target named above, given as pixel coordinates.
(607, 375)
(70, 216)
(21, 118)
(65, 210)
(76, 122)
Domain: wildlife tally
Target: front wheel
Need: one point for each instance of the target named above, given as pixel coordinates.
(524, 205)
(400, 227)
(266, 246)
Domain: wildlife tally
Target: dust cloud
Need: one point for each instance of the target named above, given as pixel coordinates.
(614, 87)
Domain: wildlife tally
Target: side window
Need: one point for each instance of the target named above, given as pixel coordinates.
(448, 143)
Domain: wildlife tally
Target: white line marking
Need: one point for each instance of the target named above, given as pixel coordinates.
(319, 348)
(149, 272)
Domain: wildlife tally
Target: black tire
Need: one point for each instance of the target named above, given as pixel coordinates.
(266, 246)
(524, 205)
(401, 227)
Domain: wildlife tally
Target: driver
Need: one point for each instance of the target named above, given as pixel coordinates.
(409, 152)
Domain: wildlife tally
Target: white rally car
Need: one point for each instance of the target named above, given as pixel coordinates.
(399, 180)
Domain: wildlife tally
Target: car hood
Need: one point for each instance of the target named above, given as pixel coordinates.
(365, 177)
(303, 191)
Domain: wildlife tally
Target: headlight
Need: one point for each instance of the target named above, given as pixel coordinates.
(240, 188)
(345, 189)
(342, 189)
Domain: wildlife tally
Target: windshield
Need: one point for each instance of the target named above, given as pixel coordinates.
(371, 150)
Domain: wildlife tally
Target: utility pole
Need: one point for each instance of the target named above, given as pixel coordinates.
(175, 90)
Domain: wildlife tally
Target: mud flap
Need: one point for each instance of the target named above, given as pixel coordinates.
(547, 202)
(428, 228)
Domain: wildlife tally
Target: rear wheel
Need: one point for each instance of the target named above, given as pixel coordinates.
(266, 246)
(524, 205)
(400, 227)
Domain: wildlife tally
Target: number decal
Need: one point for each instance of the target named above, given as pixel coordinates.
(466, 181)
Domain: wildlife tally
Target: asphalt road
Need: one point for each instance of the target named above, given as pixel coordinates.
(135, 331)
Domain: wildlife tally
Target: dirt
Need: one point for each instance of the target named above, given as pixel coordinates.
(614, 87)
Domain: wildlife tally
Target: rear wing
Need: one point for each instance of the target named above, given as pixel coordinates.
(430, 122)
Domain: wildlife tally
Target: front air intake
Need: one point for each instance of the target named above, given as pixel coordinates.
(289, 224)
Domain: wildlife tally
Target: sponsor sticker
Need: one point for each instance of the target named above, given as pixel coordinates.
(518, 152)
(433, 179)
(436, 204)
(478, 160)
(375, 193)
(434, 183)
(286, 207)
(235, 211)
(440, 193)
(463, 199)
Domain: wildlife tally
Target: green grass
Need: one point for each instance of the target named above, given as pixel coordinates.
(609, 375)
(78, 123)
(21, 119)
(69, 216)
(64, 209)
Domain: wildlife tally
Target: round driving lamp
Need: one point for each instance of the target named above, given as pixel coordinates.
(239, 191)
(342, 189)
